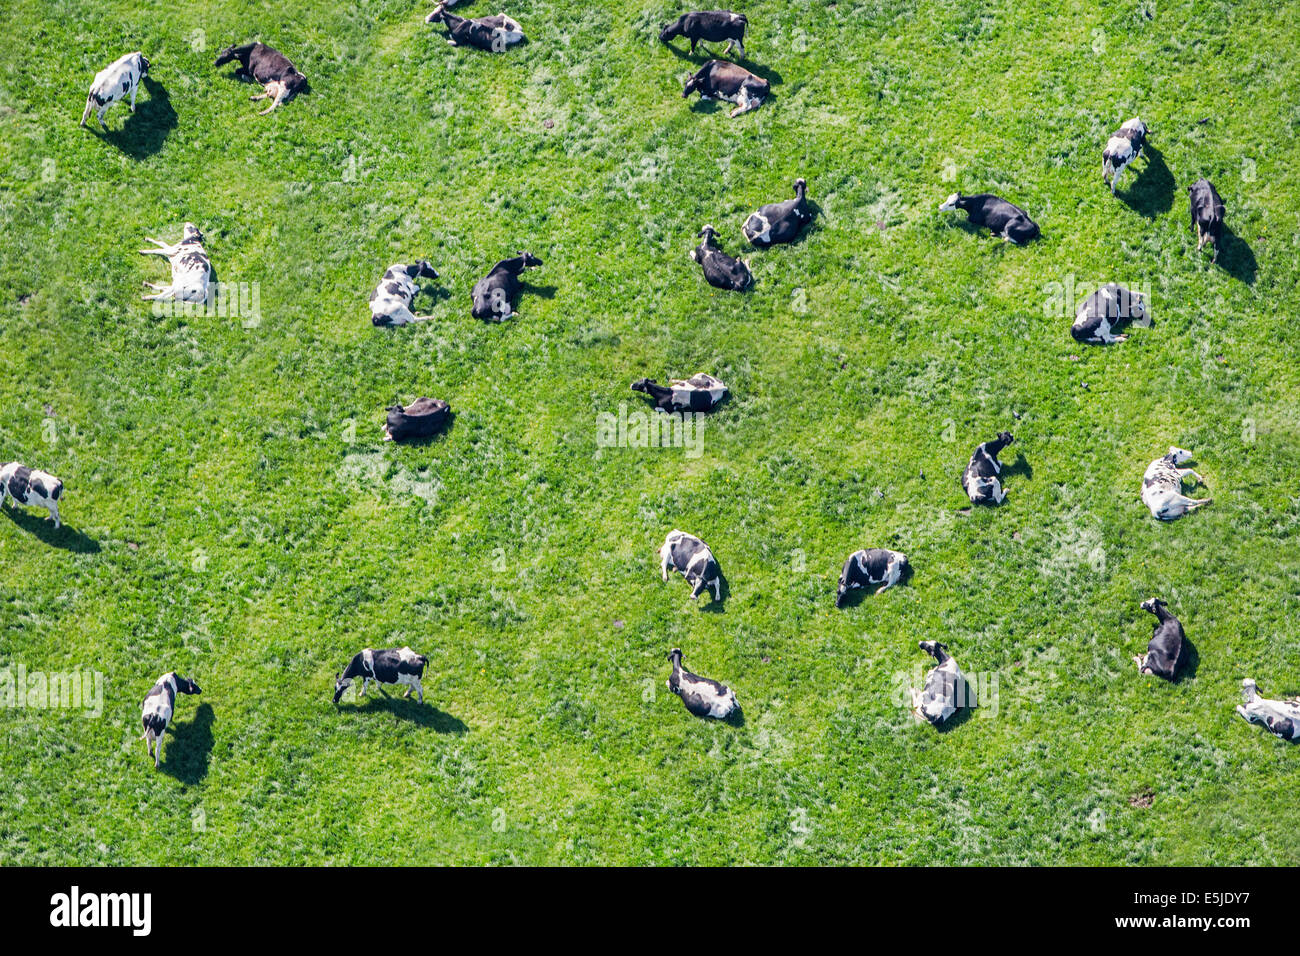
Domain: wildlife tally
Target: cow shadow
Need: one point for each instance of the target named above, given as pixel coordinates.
(408, 708)
(702, 55)
(189, 753)
(39, 527)
(717, 605)
(1152, 191)
(956, 720)
(735, 719)
(1019, 467)
(145, 130)
(1237, 258)
(855, 596)
(1190, 666)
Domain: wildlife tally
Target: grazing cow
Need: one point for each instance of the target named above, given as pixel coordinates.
(1163, 482)
(980, 479)
(113, 83)
(1167, 649)
(394, 665)
(699, 393)
(1282, 717)
(263, 64)
(494, 33)
(1124, 146)
(494, 294)
(156, 713)
(191, 268)
(999, 216)
(720, 270)
(1106, 310)
(713, 26)
(421, 419)
(725, 81)
(945, 691)
(869, 567)
(1207, 214)
(691, 557)
(36, 489)
(390, 303)
(702, 697)
(779, 221)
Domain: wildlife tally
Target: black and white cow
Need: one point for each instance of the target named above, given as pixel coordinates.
(494, 33)
(1207, 214)
(390, 303)
(36, 489)
(1167, 650)
(712, 26)
(1106, 310)
(1124, 146)
(191, 268)
(1163, 483)
(394, 665)
(999, 216)
(699, 393)
(779, 221)
(1281, 717)
(980, 479)
(691, 557)
(264, 64)
(869, 567)
(159, 705)
(494, 294)
(720, 270)
(702, 697)
(719, 79)
(423, 418)
(945, 691)
(113, 83)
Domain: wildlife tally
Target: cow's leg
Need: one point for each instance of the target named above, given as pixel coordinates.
(90, 105)
(53, 509)
(102, 110)
(167, 294)
(157, 749)
(133, 89)
(717, 589)
(664, 568)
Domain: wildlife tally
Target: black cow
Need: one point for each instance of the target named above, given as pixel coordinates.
(720, 270)
(725, 81)
(1167, 649)
(422, 418)
(394, 665)
(779, 221)
(711, 25)
(494, 294)
(1001, 217)
(1207, 214)
(869, 567)
(980, 479)
(263, 64)
(156, 712)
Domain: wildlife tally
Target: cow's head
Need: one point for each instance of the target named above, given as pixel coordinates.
(1178, 456)
(642, 384)
(142, 63)
(292, 86)
(936, 650)
(191, 233)
(1249, 690)
(707, 234)
(950, 203)
(1152, 604)
(692, 85)
(529, 260)
(225, 56)
(421, 269)
(1004, 439)
(341, 684)
(800, 187)
(186, 686)
(671, 30)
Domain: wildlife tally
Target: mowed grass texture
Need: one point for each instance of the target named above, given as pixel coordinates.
(231, 512)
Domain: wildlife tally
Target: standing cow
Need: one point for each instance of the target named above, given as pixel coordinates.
(390, 666)
(113, 83)
(159, 705)
(713, 26)
(33, 488)
(1207, 215)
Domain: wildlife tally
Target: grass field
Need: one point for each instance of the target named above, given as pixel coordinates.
(231, 512)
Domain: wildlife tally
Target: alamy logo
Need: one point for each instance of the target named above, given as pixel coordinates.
(75, 909)
(641, 429)
(38, 690)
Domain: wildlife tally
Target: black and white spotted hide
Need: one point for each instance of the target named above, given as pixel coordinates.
(115, 82)
(699, 393)
(33, 488)
(691, 557)
(720, 270)
(493, 33)
(1167, 650)
(996, 214)
(1281, 717)
(945, 691)
(390, 303)
(191, 268)
(1163, 483)
(779, 222)
(720, 79)
(396, 665)
(159, 705)
(868, 568)
(493, 295)
(1124, 146)
(1106, 310)
(1207, 215)
(702, 697)
(980, 479)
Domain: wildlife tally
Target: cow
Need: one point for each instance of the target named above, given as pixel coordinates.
(113, 83)
(390, 303)
(263, 64)
(779, 221)
(713, 26)
(1281, 717)
(494, 33)
(159, 705)
(1163, 482)
(691, 557)
(702, 697)
(423, 418)
(36, 489)
(719, 79)
(191, 268)
(1106, 310)
(945, 691)
(1167, 650)
(869, 567)
(1207, 215)
(1000, 217)
(980, 479)
(720, 270)
(394, 665)
(1124, 146)
(699, 393)
(493, 295)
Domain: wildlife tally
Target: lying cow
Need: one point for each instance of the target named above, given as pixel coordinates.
(719, 79)
(868, 568)
(494, 294)
(113, 83)
(1167, 650)
(699, 393)
(702, 697)
(1124, 146)
(396, 665)
(945, 691)
(1207, 215)
(1163, 483)
(779, 221)
(423, 418)
(1106, 310)
(263, 64)
(999, 216)
(720, 270)
(159, 705)
(713, 26)
(36, 489)
(1281, 717)
(494, 33)
(691, 557)
(390, 303)
(980, 479)
(191, 268)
